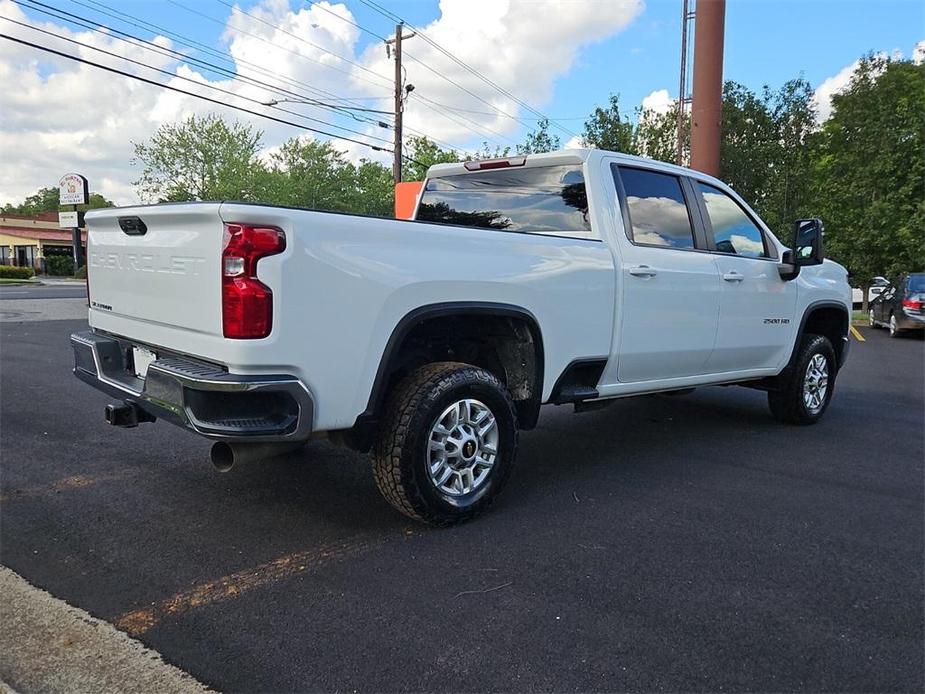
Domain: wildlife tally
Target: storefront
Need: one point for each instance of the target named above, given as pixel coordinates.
(26, 241)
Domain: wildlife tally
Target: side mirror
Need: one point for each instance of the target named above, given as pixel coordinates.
(808, 248)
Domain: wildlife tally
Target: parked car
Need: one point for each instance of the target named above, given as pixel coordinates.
(575, 277)
(901, 306)
(877, 285)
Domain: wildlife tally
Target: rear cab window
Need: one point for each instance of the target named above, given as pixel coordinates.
(547, 200)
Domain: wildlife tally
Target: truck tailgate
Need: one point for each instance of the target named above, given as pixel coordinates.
(157, 265)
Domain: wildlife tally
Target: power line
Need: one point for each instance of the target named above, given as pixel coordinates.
(190, 43)
(276, 45)
(189, 79)
(316, 5)
(183, 91)
(440, 109)
(296, 36)
(394, 17)
(131, 39)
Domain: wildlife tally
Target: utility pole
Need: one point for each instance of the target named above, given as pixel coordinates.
(707, 108)
(684, 99)
(400, 92)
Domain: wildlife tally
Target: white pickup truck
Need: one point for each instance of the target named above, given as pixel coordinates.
(576, 277)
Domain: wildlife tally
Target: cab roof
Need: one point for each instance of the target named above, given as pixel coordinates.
(562, 157)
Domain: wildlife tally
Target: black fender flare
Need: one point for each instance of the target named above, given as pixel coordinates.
(840, 350)
(368, 418)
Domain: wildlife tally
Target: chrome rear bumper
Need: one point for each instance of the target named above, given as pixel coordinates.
(199, 396)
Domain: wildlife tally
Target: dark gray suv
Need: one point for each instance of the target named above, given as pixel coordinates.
(901, 306)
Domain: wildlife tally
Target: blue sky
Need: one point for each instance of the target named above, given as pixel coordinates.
(767, 42)
(564, 57)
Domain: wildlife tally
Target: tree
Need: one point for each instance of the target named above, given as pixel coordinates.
(794, 117)
(201, 158)
(487, 152)
(46, 200)
(656, 135)
(422, 154)
(309, 173)
(607, 128)
(869, 170)
(763, 151)
(540, 140)
(374, 191)
(747, 144)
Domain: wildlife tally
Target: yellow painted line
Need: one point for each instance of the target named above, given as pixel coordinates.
(857, 334)
(231, 586)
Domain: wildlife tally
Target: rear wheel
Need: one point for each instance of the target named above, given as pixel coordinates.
(447, 443)
(805, 394)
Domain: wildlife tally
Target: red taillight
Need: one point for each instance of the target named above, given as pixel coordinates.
(912, 304)
(247, 303)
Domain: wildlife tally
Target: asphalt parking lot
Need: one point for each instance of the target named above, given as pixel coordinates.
(663, 543)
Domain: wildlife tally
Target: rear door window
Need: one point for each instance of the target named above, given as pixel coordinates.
(657, 209)
(540, 200)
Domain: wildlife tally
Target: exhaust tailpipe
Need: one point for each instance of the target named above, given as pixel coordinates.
(225, 456)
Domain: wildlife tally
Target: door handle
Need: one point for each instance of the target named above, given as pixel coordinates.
(733, 276)
(643, 271)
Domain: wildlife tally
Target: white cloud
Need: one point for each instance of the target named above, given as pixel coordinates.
(59, 116)
(839, 81)
(918, 53)
(658, 102)
(829, 87)
(574, 142)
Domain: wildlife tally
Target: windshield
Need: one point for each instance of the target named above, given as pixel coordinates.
(917, 283)
(544, 200)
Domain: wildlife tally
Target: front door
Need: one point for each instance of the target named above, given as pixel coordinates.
(757, 307)
(670, 289)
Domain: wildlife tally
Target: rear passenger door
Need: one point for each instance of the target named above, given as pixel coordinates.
(756, 305)
(670, 287)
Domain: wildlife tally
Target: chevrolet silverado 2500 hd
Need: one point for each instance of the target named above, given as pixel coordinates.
(570, 277)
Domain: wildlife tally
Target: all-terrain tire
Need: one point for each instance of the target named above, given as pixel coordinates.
(399, 456)
(787, 402)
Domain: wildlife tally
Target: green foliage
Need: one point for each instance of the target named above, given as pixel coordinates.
(46, 200)
(540, 140)
(59, 265)
(656, 135)
(201, 158)
(16, 273)
(81, 273)
(488, 152)
(764, 154)
(869, 170)
(422, 153)
(608, 128)
(309, 173)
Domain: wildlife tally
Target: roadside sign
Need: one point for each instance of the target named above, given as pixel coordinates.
(73, 190)
(68, 220)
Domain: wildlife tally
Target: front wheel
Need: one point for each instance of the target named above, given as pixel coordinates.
(806, 392)
(447, 443)
(894, 326)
